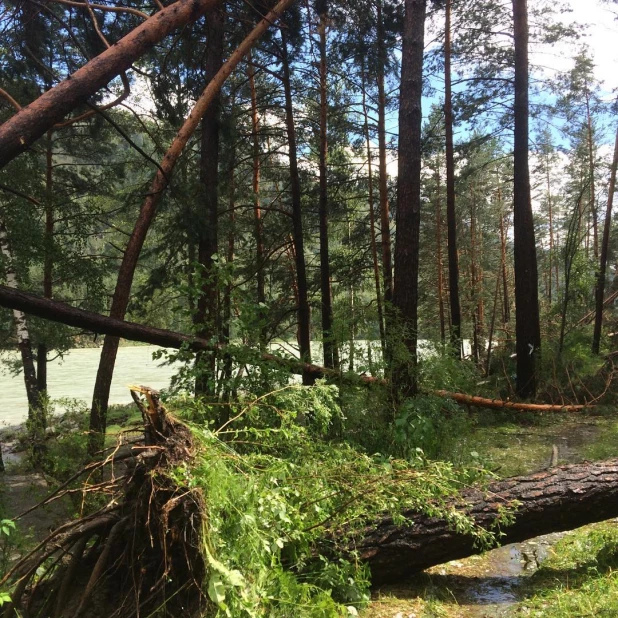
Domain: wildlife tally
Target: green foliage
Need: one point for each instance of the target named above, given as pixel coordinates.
(278, 492)
(579, 578)
(431, 425)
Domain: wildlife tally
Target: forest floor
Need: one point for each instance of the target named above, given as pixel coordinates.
(558, 575)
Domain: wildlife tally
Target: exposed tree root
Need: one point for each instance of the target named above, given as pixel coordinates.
(140, 552)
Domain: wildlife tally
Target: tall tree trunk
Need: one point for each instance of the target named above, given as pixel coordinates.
(372, 226)
(591, 166)
(451, 221)
(527, 326)
(257, 210)
(385, 219)
(474, 293)
(226, 330)
(304, 315)
(206, 318)
(120, 300)
(600, 286)
(328, 340)
(506, 303)
(405, 293)
(551, 232)
(36, 413)
(440, 282)
(48, 261)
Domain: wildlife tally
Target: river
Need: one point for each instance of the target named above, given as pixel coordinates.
(73, 377)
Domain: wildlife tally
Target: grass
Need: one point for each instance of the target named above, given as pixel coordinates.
(579, 579)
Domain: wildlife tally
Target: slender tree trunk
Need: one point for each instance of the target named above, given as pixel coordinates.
(120, 300)
(405, 294)
(440, 282)
(385, 219)
(593, 198)
(527, 326)
(257, 210)
(48, 261)
(506, 303)
(551, 233)
(374, 249)
(226, 331)
(600, 287)
(37, 421)
(328, 339)
(473, 281)
(304, 315)
(206, 318)
(451, 220)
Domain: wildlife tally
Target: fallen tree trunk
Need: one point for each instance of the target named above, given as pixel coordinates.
(553, 500)
(499, 404)
(20, 131)
(100, 324)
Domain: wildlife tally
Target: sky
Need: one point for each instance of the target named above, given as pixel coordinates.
(602, 38)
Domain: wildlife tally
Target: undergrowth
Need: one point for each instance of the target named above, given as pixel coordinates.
(579, 579)
(284, 502)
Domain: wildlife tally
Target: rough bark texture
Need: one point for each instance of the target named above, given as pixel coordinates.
(304, 311)
(527, 326)
(600, 286)
(549, 501)
(27, 125)
(133, 249)
(405, 295)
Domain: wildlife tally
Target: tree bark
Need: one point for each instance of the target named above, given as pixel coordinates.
(206, 319)
(304, 311)
(527, 325)
(98, 412)
(553, 500)
(21, 130)
(451, 220)
(600, 284)
(405, 294)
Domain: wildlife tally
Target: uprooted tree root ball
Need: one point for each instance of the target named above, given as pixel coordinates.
(139, 553)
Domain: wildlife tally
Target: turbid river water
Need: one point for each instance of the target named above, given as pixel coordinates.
(73, 377)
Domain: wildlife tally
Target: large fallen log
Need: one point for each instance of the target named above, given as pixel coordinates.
(553, 500)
